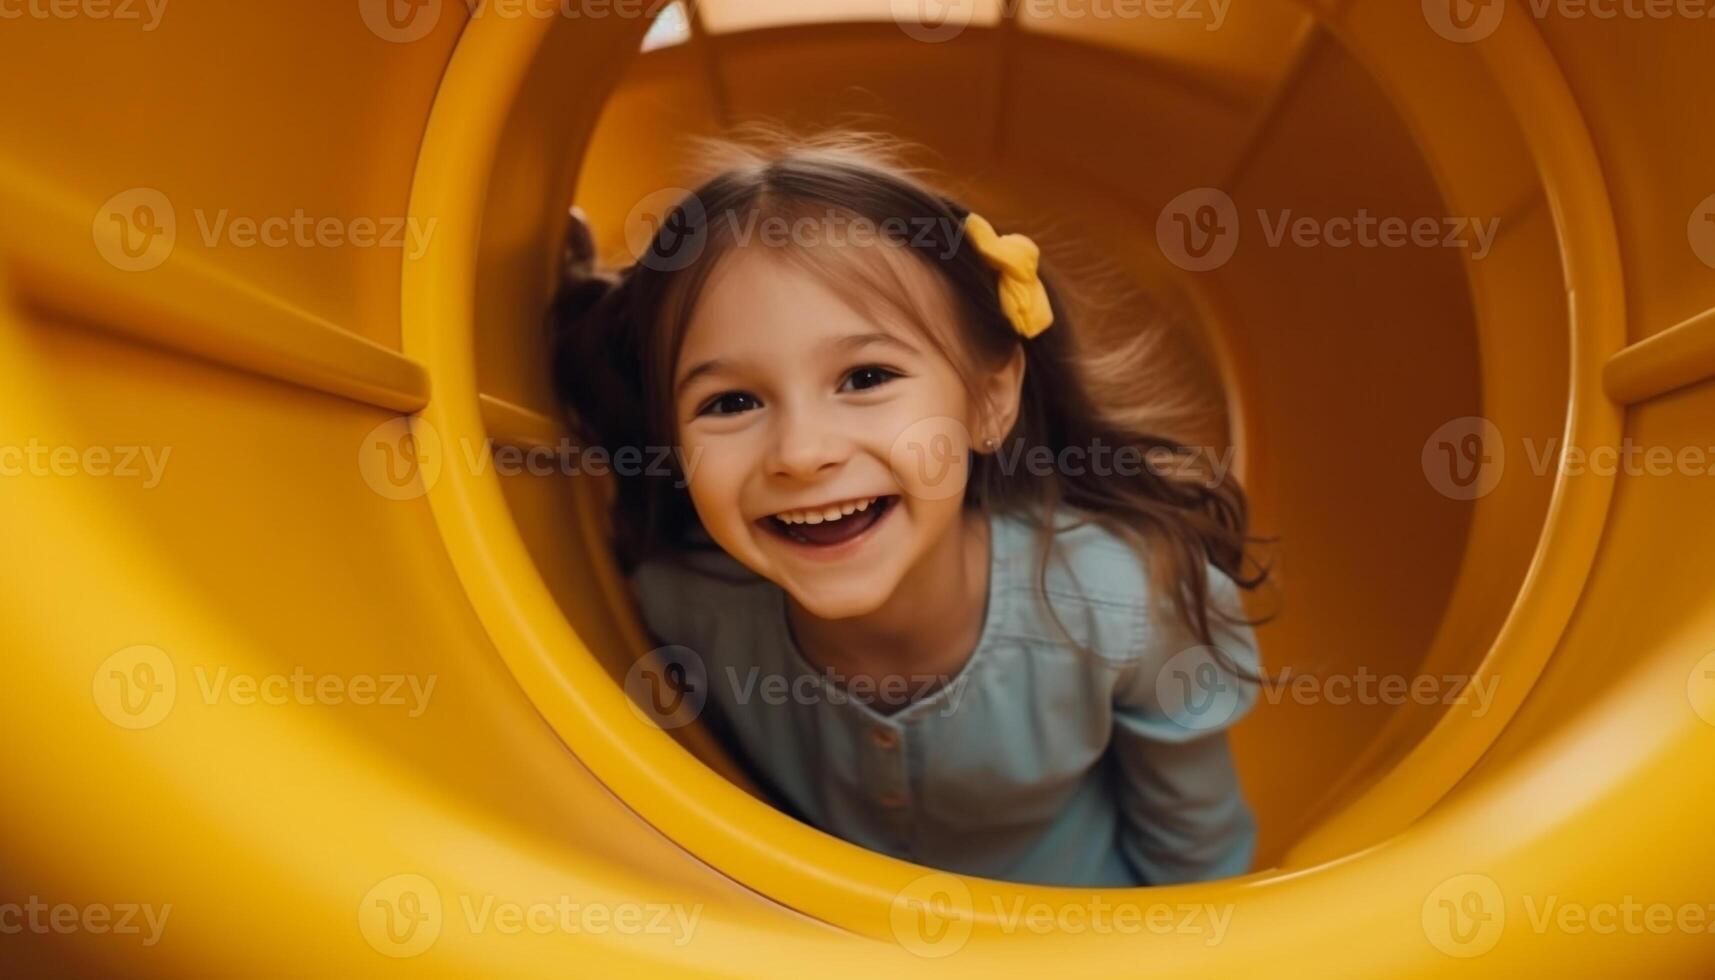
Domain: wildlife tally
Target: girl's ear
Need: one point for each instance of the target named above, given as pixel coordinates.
(1002, 390)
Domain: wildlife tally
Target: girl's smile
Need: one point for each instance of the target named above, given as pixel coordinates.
(830, 532)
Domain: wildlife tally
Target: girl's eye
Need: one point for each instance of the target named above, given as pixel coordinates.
(728, 403)
(869, 376)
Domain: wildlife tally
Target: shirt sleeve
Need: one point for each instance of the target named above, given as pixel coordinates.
(1183, 815)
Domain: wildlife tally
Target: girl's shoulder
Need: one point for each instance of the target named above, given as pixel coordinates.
(1097, 583)
(680, 594)
(1085, 562)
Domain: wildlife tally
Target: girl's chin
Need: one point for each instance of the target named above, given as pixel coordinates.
(844, 603)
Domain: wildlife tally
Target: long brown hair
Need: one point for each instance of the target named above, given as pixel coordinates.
(616, 338)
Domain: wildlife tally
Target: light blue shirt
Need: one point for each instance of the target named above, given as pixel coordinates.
(1039, 762)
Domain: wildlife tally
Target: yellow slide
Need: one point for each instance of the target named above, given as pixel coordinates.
(316, 665)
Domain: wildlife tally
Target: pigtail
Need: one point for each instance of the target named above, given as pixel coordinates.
(597, 365)
(588, 339)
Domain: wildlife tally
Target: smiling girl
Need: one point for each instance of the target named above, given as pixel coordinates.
(918, 635)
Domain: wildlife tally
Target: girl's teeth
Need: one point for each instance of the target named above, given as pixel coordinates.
(833, 513)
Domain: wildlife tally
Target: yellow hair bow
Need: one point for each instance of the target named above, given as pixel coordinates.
(1023, 298)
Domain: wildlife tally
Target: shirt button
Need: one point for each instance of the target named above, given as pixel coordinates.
(885, 738)
(891, 800)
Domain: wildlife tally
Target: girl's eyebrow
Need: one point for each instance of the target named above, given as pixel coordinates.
(709, 366)
(857, 341)
(849, 343)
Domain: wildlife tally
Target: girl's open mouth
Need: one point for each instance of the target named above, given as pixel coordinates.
(815, 528)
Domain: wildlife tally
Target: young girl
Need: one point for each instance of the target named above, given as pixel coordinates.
(929, 616)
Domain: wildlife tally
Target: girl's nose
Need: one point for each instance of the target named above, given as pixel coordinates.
(805, 445)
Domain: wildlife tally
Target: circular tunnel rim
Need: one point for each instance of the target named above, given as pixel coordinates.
(1525, 74)
(794, 864)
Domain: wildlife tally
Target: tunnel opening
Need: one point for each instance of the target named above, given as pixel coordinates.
(1335, 367)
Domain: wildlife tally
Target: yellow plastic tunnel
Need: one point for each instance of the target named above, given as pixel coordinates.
(315, 656)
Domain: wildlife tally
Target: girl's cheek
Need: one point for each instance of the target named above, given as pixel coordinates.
(930, 458)
(694, 459)
(716, 468)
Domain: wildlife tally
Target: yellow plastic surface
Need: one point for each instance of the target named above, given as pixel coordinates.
(212, 567)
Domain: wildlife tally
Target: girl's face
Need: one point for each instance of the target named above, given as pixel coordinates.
(824, 449)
